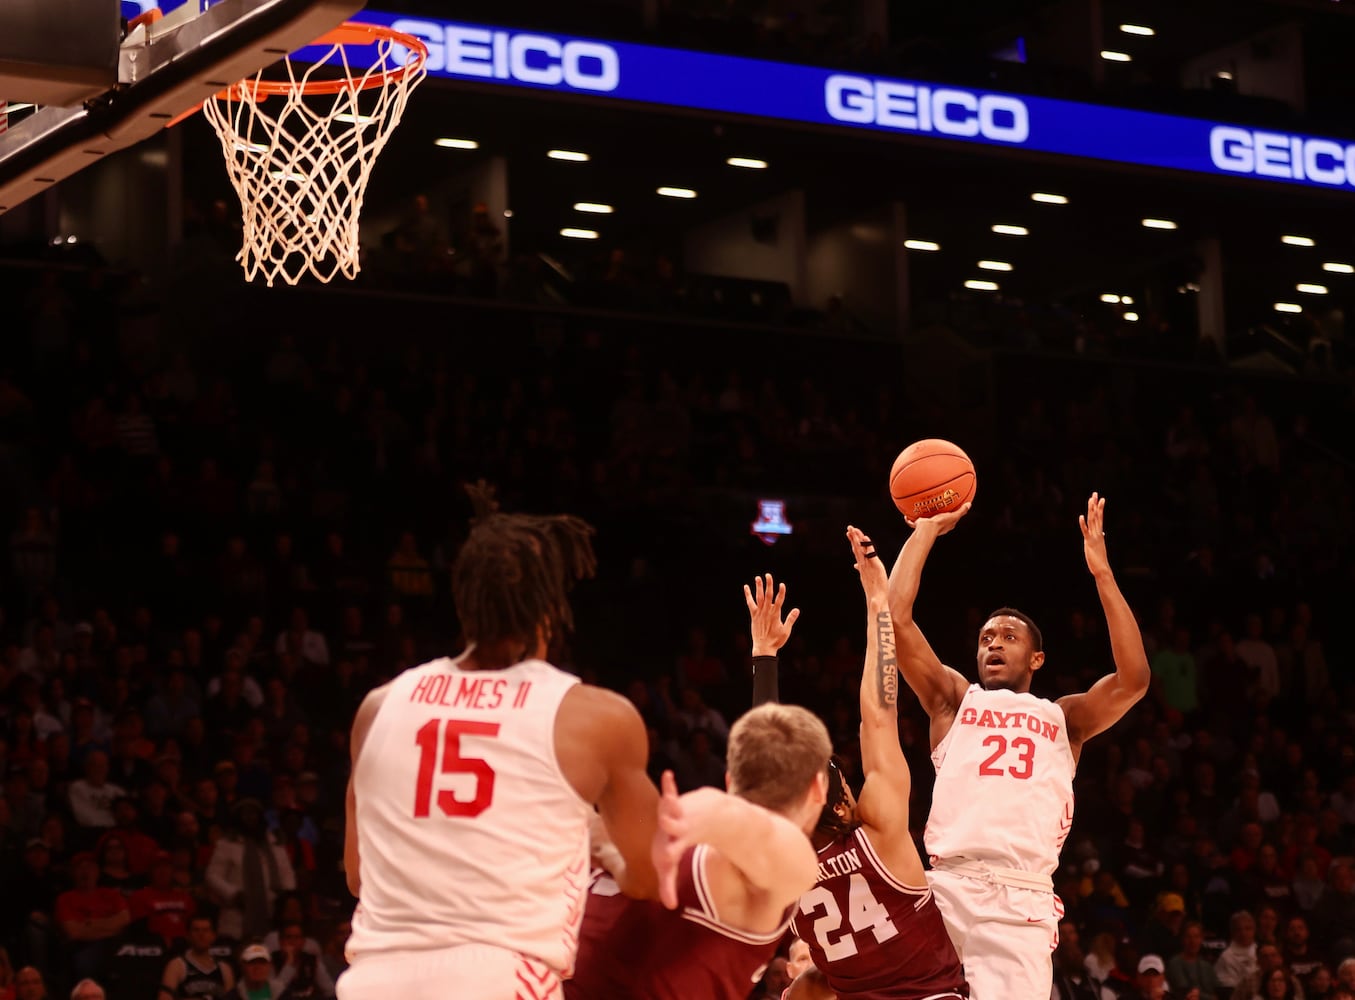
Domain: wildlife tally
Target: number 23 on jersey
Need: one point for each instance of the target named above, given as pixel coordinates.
(1019, 762)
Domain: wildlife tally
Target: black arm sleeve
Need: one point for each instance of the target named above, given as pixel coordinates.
(765, 686)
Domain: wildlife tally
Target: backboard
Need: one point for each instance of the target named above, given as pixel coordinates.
(164, 67)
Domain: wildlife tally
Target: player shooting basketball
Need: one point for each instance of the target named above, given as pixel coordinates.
(996, 744)
(871, 923)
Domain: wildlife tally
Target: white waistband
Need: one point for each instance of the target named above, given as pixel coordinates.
(983, 871)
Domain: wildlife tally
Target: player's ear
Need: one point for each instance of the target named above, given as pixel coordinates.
(1036, 661)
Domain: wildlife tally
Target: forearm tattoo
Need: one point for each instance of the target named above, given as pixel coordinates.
(886, 662)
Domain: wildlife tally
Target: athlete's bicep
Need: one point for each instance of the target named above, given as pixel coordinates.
(362, 724)
(626, 797)
(938, 688)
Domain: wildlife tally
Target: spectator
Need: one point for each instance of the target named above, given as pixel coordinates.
(257, 980)
(1333, 916)
(197, 973)
(1072, 981)
(140, 849)
(1150, 983)
(410, 575)
(29, 985)
(6, 976)
(90, 917)
(1175, 674)
(247, 871)
(1236, 967)
(163, 907)
(1277, 985)
(113, 871)
(300, 639)
(1188, 971)
(88, 989)
(1162, 934)
(1298, 956)
(306, 975)
(93, 795)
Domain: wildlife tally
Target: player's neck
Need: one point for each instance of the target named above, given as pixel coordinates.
(497, 655)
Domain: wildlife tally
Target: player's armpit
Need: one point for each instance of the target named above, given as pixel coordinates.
(1099, 708)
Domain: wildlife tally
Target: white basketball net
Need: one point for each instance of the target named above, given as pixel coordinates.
(300, 162)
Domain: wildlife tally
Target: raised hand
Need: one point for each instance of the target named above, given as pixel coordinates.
(1094, 535)
(874, 577)
(939, 524)
(770, 631)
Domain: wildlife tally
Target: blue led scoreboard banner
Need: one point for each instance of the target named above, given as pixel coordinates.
(785, 92)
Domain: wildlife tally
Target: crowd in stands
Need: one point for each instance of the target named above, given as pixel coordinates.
(228, 525)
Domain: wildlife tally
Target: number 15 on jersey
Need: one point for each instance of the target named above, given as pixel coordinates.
(447, 733)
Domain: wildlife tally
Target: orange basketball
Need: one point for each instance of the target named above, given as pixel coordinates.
(932, 477)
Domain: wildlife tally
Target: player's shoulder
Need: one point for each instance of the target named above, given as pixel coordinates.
(589, 703)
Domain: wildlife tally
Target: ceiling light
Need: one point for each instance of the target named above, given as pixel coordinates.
(1308, 289)
(507, 213)
(18, 107)
(1336, 268)
(1131, 317)
(1223, 74)
(1003, 230)
(1111, 297)
(1298, 241)
(981, 286)
(250, 147)
(1049, 199)
(672, 192)
(1288, 307)
(1110, 56)
(747, 162)
(1158, 224)
(579, 234)
(456, 143)
(1127, 300)
(593, 207)
(921, 245)
(287, 175)
(568, 154)
(994, 265)
(1137, 29)
(348, 118)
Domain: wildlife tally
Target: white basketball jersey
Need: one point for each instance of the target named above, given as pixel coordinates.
(1004, 783)
(468, 831)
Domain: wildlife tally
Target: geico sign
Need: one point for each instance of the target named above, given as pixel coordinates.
(914, 108)
(1272, 154)
(461, 50)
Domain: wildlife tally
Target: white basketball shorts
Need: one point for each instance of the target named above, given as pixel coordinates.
(472, 971)
(1005, 934)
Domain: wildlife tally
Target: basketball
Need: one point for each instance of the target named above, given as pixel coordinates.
(932, 477)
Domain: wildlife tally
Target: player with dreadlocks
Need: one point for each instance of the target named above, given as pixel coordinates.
(873, 929)
(473, 785)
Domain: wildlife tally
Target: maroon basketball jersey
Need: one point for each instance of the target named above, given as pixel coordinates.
(640, 950)
(874, 937)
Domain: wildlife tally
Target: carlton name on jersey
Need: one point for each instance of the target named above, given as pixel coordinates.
(839, 864)
(1009, 720)
(464, 691)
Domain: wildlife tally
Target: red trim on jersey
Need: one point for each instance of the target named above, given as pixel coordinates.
(536, 981)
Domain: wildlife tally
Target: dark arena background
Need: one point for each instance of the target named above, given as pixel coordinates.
(696, 272)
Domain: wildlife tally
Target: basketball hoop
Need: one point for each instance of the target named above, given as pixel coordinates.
(301, 167)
